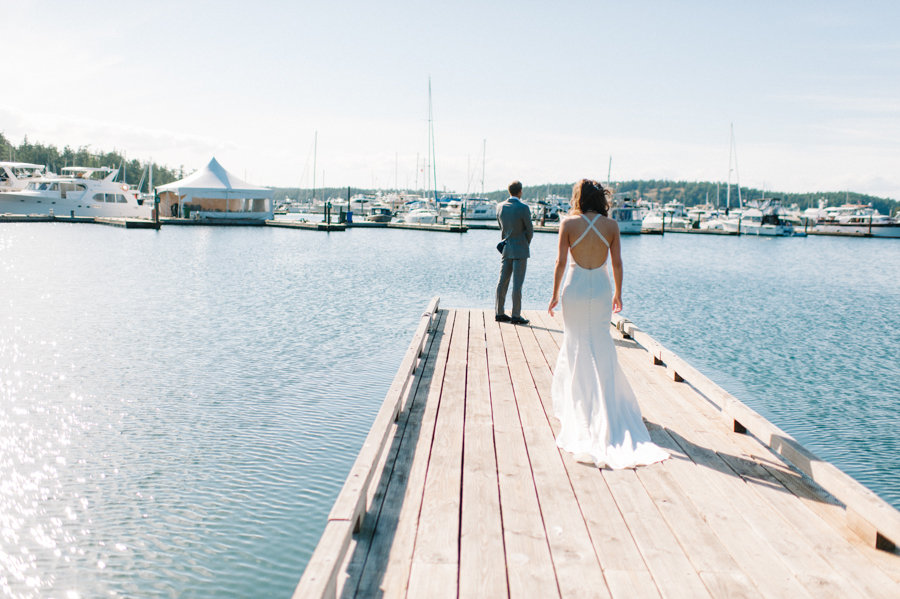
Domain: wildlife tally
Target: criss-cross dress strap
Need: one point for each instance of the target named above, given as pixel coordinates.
(589, 227)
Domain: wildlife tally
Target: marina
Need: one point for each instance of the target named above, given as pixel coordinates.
(459, 489)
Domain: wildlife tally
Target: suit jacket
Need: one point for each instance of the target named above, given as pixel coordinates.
(515, 227)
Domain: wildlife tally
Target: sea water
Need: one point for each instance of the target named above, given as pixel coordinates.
(179, 409)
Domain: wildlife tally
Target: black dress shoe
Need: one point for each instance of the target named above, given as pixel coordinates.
(502, 318)
(519, 320)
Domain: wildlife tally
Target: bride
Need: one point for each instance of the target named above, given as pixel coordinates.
(600, 416)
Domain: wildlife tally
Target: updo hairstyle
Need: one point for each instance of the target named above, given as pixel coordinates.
(589, 196)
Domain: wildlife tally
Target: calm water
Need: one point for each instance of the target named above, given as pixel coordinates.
(179, 409)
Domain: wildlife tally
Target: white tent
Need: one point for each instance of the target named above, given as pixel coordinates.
(213, 192)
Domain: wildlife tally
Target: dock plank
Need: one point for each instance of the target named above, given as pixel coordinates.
(529, 564)
(577, 567)
(435, 566)
(632, 506)
(428, 399)
(482, 567)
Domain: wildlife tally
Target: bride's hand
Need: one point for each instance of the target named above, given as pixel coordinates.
(617, 304)
(553, 302)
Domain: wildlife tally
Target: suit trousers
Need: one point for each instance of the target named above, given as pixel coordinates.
(514, 269)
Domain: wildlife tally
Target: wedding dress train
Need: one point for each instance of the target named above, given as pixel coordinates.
(600, 417)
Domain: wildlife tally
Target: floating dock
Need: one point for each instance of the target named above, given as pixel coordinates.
(460, 491)
(296, 224)
(127, 223)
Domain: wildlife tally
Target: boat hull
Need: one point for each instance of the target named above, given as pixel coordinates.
(25, 204)
(877, 230)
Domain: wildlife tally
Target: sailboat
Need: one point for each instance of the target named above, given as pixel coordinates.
(421, 215)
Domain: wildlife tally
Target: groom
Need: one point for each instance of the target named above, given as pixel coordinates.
(516, 230)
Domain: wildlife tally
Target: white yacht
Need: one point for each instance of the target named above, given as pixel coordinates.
(660, 219)
(360, 204)
(858, 219)
(628, 217)
(765, 221)
(78, 191)
(422, 216)
(15, 176)
(476, 209)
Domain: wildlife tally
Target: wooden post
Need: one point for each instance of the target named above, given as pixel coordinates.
(870, 224)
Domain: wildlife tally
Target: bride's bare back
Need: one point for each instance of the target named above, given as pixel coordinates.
(591, 252)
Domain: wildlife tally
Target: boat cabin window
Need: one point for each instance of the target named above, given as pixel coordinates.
(69, 188)
(98, 197)
(120, 199)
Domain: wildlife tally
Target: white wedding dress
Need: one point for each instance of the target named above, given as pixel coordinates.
(600, 417)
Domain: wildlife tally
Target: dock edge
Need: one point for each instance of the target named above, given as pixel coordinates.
(868, 515)
(321, 574)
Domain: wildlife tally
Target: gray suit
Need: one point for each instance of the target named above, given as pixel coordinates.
(516, 228)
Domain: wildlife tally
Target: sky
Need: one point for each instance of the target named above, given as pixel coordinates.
(552, 90)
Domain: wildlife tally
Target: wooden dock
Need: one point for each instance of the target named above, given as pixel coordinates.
(460, 491)
(127, 223)
(296, 224)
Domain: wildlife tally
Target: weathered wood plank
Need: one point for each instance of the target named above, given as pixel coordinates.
(610, 535)
(482, 566)
(428, 398)
(796, 552)
(528, 561)
(578, 570)
(435, 567)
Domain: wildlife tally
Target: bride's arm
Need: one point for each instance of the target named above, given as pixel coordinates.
(615, 257)
(558, 272)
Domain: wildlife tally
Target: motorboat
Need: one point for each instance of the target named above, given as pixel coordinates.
(379, 214)
(766, 219)
(79, 191)
(628, 217)
(360, 204)
(15, 176)
(475, 209)
(658, 220)
(676, 209)
(422, 216)
(857, 219)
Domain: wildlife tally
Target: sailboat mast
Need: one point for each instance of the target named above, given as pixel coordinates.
(737, 171)
(730, 146)
(315, 144)
(431, 132)
(609, 171)
(428, 147)
(483, 163)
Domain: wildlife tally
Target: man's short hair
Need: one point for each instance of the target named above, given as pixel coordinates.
(515, 188)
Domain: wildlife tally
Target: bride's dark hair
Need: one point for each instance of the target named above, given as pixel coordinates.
(589, 196)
